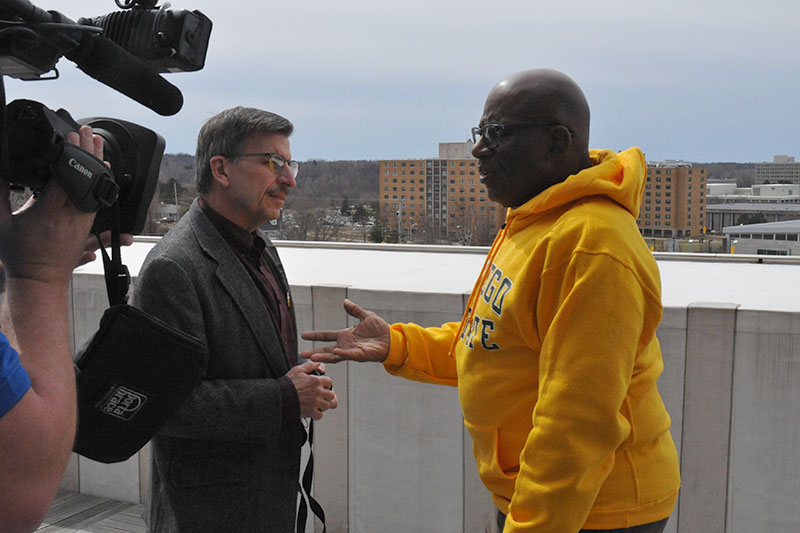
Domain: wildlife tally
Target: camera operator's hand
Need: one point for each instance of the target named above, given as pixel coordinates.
(45, 239)
(39, 245)
(125, 239)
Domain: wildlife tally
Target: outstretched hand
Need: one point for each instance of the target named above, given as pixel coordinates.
(367, 341)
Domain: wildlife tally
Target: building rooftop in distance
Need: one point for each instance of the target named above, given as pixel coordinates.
(669, 163)
(750, 206)
(784, 226)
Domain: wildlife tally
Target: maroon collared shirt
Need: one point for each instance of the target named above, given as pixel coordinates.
(250, 248)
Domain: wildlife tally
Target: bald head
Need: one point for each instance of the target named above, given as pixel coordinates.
(538, 135)
(545, 94)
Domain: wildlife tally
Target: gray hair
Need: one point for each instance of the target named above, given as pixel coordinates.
(224, 133)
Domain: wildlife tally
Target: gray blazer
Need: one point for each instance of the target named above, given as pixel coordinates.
(226, 461)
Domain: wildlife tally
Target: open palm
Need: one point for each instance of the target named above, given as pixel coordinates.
(366, 341)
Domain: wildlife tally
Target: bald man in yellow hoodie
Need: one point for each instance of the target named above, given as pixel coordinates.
(556, 358)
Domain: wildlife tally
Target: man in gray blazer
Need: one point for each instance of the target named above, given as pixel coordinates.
(229, 460)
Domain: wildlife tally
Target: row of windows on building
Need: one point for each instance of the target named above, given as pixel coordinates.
(452, 181)
(411, 216)
(668, 215)
(413, 197)
(668, 171)
(666, 201)
(429, 163)
(461, 207)
(444, 173)
(766, 236)
(669, 187)
(422, 189)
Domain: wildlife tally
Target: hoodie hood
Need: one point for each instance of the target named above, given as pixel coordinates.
(618, 176)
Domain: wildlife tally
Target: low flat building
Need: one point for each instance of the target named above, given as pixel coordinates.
(721, 215)
(770, 238)
(772, 193)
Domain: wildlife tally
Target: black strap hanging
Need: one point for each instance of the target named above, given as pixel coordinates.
(304, 488)
(118, 277)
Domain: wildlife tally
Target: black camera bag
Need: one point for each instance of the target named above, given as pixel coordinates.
(132, 376)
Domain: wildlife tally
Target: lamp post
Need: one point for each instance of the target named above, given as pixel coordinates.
(399, 215)
(411, 231)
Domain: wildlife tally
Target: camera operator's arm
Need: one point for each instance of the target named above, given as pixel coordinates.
(39, 247)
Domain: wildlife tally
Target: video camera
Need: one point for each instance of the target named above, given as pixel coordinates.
(125, 50)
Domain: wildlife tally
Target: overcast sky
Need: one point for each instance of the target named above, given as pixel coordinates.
(699, 80)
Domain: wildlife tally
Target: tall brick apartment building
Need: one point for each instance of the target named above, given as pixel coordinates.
(439, 200)
(674, 201)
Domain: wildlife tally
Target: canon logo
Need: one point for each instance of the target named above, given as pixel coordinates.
(80, 168)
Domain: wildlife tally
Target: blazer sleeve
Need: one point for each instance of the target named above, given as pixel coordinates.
(239, 410)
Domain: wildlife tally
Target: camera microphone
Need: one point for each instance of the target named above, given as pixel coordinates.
(103, 59)
(107, 62)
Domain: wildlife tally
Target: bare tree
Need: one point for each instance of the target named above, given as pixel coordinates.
(306, 221)
(465, 225)
(426, 232)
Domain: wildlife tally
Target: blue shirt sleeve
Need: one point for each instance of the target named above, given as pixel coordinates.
(14, 380)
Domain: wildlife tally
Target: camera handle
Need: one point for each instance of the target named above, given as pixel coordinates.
(87, 180)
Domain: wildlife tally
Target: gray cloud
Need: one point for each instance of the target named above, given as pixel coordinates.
(698, 80)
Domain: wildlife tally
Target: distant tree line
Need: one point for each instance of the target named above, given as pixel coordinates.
(743, 173)
(329, 196)
(324, 182)
(338, 200)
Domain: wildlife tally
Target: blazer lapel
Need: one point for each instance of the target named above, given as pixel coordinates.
(242, 289)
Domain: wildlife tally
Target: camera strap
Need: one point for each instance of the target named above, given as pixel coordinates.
(304, 488)
(118, 277)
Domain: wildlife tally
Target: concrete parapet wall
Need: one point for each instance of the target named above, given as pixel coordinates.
(395, 456)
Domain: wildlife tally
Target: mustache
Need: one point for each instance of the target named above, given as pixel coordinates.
(283, 189)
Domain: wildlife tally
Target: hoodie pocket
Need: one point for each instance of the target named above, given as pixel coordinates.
(486, 447)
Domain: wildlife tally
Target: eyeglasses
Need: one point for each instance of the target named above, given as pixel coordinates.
(490, 133)
(276, 162)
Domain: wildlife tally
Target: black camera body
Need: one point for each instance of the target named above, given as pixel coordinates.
(126, 51)
(37, 150)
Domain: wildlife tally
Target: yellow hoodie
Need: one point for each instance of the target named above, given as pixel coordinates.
(556, 359)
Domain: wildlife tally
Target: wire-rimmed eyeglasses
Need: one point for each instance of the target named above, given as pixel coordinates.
(276, 161)
(490, 133)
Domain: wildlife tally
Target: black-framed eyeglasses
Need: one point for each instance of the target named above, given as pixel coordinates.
(276, 161)
(490, 133)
